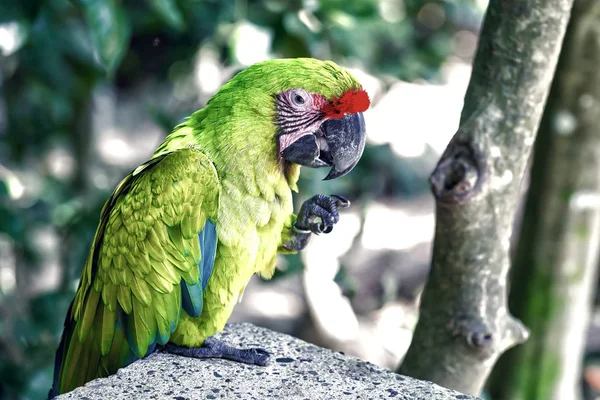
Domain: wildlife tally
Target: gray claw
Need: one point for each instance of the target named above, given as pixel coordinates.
(341, 201)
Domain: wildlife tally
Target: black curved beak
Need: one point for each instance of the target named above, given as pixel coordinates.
(338, 144)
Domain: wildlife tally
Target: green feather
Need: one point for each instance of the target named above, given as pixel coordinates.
(158, 283)
(109, 297)
(166, 271)
(109, 319)
(89, 315)
(153, 245)
(162, 318)
(141, 291)
(124, 297)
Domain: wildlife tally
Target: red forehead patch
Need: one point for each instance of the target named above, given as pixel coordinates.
(351, 102)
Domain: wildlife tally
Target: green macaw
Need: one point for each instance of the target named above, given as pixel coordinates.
(183, 233)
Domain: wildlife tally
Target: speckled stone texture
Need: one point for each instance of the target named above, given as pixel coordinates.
(297, 370)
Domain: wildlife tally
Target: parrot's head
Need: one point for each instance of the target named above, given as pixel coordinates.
(317, 110)
(316, 131)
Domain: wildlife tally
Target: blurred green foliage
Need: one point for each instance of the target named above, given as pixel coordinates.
(54, 55)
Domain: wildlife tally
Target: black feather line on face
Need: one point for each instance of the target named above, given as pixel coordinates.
(293, 118)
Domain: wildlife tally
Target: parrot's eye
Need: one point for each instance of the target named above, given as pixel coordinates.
(295, 100)
(299, 99)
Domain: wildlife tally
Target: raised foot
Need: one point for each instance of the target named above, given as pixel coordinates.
(215, 348)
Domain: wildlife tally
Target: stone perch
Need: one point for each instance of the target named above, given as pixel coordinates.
(297, 370)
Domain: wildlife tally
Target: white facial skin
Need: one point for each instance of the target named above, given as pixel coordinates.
(298, 114)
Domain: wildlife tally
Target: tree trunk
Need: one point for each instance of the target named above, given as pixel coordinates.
(464, 324)
(554, 273)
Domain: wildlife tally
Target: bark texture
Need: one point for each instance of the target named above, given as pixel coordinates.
(464, 324)
(554, 273)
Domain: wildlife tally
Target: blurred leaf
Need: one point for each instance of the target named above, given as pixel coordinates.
(168, 11)
(110, 30)
(4, 192)
(10, 223)
(75, 42)
(49, 309)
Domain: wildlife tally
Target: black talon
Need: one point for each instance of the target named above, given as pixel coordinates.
(341, 201)
(323, 207)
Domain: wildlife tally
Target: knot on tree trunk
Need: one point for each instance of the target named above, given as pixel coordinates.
(458, 175)
(480, 339)
(476, 332)
(487, 339)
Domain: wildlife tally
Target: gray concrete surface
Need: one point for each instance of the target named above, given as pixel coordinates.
(298, 370)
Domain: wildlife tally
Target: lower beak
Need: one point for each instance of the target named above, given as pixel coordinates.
(338, 144)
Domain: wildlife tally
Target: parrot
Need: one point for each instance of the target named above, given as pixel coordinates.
(181, 235)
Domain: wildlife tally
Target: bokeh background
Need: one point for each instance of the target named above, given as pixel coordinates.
(89, 88)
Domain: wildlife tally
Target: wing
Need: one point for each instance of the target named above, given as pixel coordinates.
(151, 256)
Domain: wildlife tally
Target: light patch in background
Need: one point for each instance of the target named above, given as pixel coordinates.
(8, 280)
(47, 244)
(564, 122)
(412, 116)
(60, 163)
(322, 252)
(123, 133)
(274, 303)
(208, 77)
(12, 37)
(370, 83)
(342, 19)
(332, 312)
(114, 147)
(584, 200)
(394, 229)
(309, 20)
(391, 11)
(586, 101)
(337, 321)
(482, 4)
(15, 187)
(465, 43)
(395, 327)
(250, 43)
(432, 16)
(99, 179)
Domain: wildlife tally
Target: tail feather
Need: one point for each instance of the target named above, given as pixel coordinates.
(79, 362)
(61, 352)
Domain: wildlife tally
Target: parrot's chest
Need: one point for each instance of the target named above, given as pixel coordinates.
(249, 232)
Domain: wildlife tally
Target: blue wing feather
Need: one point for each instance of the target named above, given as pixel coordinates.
(191, 295)
(208, 244)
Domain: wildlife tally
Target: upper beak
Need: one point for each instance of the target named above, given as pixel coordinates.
(339, 143)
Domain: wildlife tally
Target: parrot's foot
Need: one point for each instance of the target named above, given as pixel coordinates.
(320, 213)
(215, 348)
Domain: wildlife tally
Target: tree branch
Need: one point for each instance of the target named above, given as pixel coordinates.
(464, 324)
